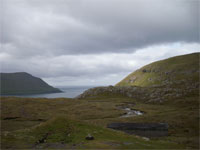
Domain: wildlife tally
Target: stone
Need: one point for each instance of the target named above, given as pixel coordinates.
(127, 143)
(43, 139)
(145, 138)
(144, 70)
(132, 79)
(89, 137)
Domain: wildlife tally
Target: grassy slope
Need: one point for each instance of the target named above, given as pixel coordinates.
(61, 117)
(65, 133)
(177, 68)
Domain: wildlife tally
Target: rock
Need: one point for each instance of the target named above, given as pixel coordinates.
(43, 139)
(156, 93)
(112, 143)
(127, 143)
(145, 138)
(6, 133)
(132, 79)
(144, 70)
(89, 137)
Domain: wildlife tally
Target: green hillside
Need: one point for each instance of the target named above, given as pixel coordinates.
(164, 72)
(23, 83)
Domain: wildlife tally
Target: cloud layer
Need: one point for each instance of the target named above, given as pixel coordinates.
(73, 39)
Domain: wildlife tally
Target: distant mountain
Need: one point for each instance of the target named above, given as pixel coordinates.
(184, 68)
(23, 83)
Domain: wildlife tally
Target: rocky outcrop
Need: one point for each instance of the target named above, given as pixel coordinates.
(149, 94)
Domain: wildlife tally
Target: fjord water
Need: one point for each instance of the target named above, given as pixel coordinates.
(67, 92)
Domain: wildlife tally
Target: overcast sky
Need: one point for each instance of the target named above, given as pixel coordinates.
(93, 42)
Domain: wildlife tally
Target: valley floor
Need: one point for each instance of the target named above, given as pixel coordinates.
(31, 123)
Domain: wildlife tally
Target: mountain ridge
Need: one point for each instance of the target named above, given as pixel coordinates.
(23, 83)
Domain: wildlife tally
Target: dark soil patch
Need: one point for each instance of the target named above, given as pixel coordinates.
(10, 118)
(142, 129)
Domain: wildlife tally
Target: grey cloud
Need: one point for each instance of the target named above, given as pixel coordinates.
(81, 41)
(61, 27)
(92, 65)
(71, 66)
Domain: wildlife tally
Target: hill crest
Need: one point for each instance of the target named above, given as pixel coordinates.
(167, 71)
